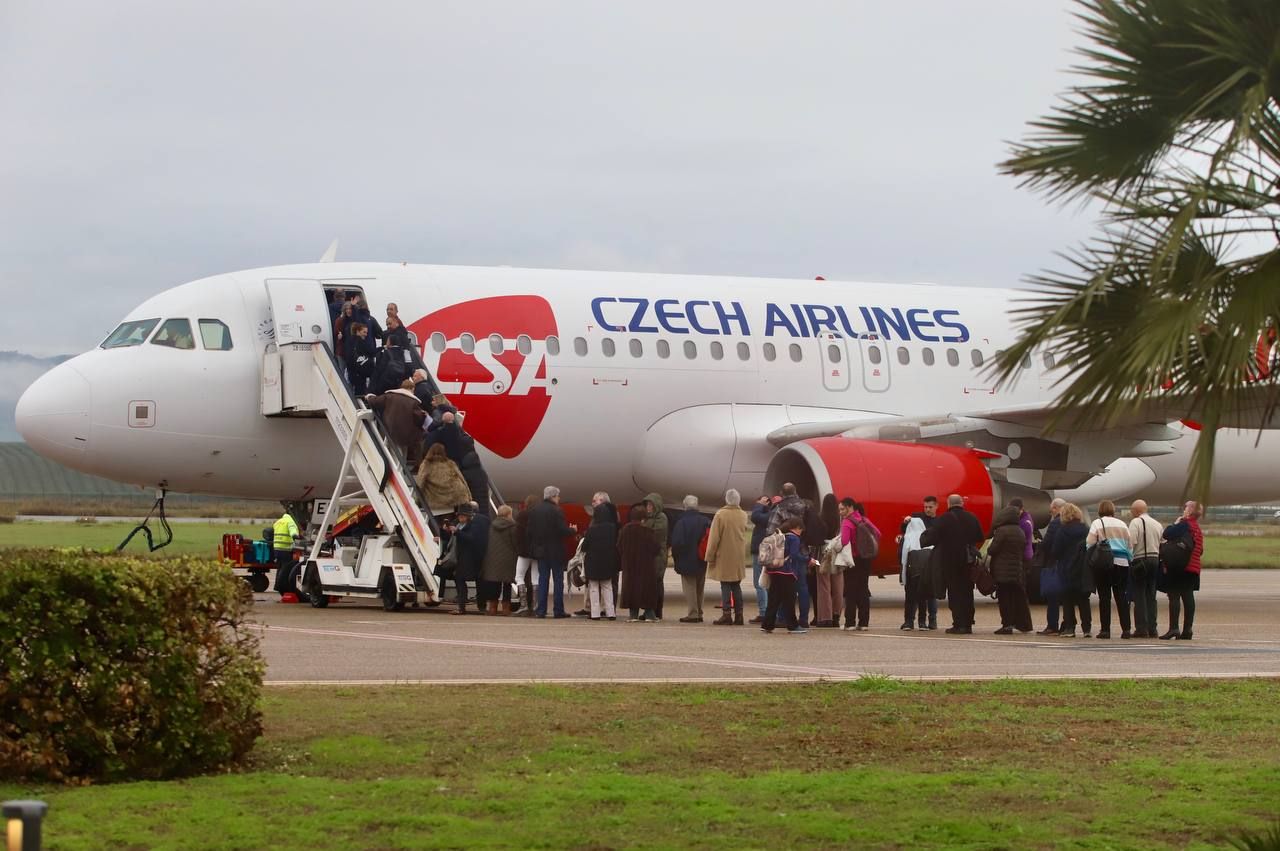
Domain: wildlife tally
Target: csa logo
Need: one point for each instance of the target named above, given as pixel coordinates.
(505, 394)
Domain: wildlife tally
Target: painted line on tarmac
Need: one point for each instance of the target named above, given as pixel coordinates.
(800, 670)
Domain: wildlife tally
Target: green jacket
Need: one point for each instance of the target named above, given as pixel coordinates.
(658, 523)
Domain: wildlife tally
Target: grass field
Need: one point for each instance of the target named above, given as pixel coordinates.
(875, 763)
(188, 538)
(203, 538)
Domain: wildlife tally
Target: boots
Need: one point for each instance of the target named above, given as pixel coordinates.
(506, 609)
(491, 608)
(737, 617)
(725, 619)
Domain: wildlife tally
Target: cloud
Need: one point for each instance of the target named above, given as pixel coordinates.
(17, 371)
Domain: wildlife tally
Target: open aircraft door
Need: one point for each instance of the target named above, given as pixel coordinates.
(299, 317)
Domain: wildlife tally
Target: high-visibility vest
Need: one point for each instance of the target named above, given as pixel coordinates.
(283, 533)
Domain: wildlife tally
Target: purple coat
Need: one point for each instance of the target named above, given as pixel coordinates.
(1028, 529)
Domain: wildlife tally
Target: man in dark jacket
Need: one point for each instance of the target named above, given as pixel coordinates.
(1052, 600)
(472, 537)
(951, 536)
(685, 538)
(928, 514)
(1006, 552)
(361, 313)
(403, 418)
(791, 506)
(359, 352)
(547, 531)
(759, 528)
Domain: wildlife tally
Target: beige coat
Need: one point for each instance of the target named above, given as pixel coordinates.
(726, 546)
(442, 484)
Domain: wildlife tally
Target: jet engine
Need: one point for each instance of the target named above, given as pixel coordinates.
(890, 479)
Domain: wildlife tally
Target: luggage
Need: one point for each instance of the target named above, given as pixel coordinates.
(867, 539)
(1175, 555)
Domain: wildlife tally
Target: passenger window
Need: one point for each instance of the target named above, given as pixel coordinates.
(523, 344)
(873, 354)
(1048, 360)
(744, 352)
(833, 353)
(976, 357)
(953, 357)
(926, 355)
(608, 347)
(438, 342)
(797, 354)
(214, 335)
(717, 350)
(468, 343)
(664, 349)
(176, 334)
(580, 347)
(770, 352)
(495, 343)
(553, 346)
(690, 349)
(130, 333)
(904, 356)
(637, 349)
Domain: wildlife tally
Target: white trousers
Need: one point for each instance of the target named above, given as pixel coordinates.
(527, 565)
(600, 592)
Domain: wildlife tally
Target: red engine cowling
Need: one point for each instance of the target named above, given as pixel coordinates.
(889, 479)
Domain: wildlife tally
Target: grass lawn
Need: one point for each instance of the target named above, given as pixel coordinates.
(188, 538)
(876, 763)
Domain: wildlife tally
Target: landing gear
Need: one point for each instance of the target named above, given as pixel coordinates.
(157, 506)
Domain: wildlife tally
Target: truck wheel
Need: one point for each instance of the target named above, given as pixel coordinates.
(314, 590)
(390, 596)
(258, 582)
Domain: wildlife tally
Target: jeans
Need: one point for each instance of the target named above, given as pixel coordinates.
(857, 593)
(1142, 587)
(1052, 612)
(461, 585)
(1113, 583)
(731, 597)
(553, 570)
(762, 594)
(782, 593)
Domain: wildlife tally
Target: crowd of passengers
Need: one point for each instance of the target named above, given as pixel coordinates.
(803, 564)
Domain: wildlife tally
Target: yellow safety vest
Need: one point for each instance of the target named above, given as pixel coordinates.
(283, 533)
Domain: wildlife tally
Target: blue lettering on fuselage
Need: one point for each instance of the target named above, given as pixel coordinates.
(637, 315)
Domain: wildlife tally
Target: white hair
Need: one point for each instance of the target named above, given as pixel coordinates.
(732, 497)
(550, 492)
(1057, 503)
(601, 495)
(690, 501)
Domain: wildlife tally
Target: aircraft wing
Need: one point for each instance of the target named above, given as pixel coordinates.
(1064, 455)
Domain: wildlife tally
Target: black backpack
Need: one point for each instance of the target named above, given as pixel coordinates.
(1175, 555)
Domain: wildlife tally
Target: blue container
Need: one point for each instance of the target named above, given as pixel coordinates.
(261, 552)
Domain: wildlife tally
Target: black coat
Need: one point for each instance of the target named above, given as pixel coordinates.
(547, 531)
(1068, 553)
(1008, 545)
(759, 526)
(473, 541)
(450, 435)
(685, 538)
(600, 547)
(360, 354)
(951, 535)
(815, 531)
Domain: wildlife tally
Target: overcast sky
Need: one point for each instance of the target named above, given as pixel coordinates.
(143, 144)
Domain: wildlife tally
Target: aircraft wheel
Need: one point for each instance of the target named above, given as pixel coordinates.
(390, 596)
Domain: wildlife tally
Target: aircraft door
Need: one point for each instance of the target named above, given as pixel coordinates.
(833, 354)
(875, 363)
(299, 313)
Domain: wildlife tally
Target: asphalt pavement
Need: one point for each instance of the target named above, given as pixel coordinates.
(1237, 634)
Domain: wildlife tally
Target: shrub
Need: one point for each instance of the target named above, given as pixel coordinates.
(123, 668)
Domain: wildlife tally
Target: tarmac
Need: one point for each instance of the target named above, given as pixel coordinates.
(1237, 634)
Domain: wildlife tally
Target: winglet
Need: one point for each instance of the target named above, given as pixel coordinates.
(330, 253)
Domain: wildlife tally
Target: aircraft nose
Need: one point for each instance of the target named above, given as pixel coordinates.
(53, 414)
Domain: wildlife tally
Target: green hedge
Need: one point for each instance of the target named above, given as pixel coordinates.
(116, 668)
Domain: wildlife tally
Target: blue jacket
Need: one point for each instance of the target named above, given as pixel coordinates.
(797, 563)
(685, 538)
(759, 526)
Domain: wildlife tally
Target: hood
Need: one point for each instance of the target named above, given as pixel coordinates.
(656, 500)
(1007, 516)
(500, 523)
(605, 512)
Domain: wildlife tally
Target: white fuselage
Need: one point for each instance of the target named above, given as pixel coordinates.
(628, 383)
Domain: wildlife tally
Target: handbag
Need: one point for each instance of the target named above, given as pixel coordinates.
(448, 562)
(1051, 583)
(844, 558)
(980, 573)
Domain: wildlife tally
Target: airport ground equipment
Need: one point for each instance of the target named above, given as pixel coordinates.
(250, 560)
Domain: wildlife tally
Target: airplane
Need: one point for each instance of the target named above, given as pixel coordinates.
(627, 383)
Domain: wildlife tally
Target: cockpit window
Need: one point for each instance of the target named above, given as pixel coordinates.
(215, 336)
(130, 333)
(176, 334)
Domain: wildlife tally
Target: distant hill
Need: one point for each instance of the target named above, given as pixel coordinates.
(24, 474)
(17, 371)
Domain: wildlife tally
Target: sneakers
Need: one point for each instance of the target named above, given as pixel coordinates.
(924, 625)
(758, 619)
(766, 630)
(959, 630)
(800, 630)
(863, 627)
(1049, 630)
(1104, 634)
(688, 619)
(1004, 630)
(1067, 633)
(907, 626)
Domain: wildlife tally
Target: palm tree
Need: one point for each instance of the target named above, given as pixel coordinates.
(1175, 130)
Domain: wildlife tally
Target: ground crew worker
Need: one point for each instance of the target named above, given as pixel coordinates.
(283, 531)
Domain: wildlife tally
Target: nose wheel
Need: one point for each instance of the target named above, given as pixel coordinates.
(157, 510)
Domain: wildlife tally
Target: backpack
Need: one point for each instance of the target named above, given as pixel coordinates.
(868, 540)
(702, 544)
(773, 551)
(1176, 555)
